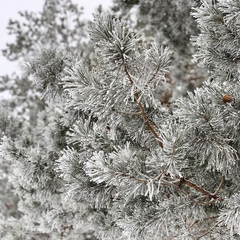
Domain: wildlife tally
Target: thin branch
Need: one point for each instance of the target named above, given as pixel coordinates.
(127, 113)
(174, 185)
(143, 113)
(208, 231)
(220, 186)
(154, 75)
(204, 219)
(146, 120)
(177, 185)
(133, 177)
(185, 182)
(204, 203)
(206, 194)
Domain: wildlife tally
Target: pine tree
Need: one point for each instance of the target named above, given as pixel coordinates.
(107, 155)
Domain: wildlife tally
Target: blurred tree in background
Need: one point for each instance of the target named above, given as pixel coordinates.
(59, 25)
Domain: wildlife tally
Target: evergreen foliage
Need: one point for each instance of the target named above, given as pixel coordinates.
(168, 23)
(109, 156)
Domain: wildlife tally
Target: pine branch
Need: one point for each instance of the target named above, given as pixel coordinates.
(177, 185)
(206, 194)
(142, 110)
(183, 181)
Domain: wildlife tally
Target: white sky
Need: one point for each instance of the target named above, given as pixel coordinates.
(10, 8)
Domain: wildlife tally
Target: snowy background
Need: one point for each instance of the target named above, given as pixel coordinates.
(10, 8)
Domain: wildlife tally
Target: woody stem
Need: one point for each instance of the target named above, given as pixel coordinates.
(142, 110)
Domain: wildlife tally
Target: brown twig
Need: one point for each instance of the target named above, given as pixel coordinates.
(206, 194)
(155, 74)
(142, 110)
(146, 120)
(220, 186)
(185, 182)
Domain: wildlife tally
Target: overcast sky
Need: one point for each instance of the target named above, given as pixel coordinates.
(10, 8)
